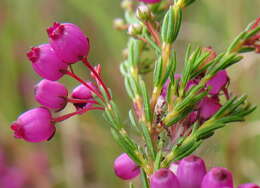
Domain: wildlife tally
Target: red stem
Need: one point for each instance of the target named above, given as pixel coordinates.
(67, 116)
(154, 33)
(77, 101)
(84, 83)
(88, 65)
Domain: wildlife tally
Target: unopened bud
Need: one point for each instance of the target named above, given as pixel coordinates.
(134, 29)
(143, 13)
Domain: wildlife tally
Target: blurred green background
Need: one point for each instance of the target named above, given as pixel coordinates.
(82, 152)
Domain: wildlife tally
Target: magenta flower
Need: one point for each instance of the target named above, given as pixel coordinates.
(191, 171)
(218, 82)
(51, 94)
(150, 1)
(125, 168)
(13, 178)
(208, 107)
(46, 63)
(217, 177)
(248, 185)
(34, 125)
(164, 178)
(82, 92)
(68, 41)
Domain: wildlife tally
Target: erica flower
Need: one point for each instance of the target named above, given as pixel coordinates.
(34, 125)
(208, 107)
(51, 94)
(164, 178)
(217, 177)
(82, 92)
(68, 41)
(125, 167)
(218, 82)
(191, 171)
(46, 63)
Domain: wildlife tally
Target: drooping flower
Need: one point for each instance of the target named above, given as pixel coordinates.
(68, 41)
(82, 92)
(51, 94)
(125, 168)
(34, 125)
(217, 177)
(191, 171)
(164, 178)
(46, 63)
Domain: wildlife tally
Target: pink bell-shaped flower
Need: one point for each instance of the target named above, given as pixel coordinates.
(217, 177)
(51, 94)
(34, 125)
(82, 92)
(68, 41)
(125, 168)
(164, 178)
(191, 171)
(46, 63)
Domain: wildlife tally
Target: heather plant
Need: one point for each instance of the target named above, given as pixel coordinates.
(182, 110)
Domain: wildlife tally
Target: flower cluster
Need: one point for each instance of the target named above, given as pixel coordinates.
(209, 105)
(67, 45)
(190, 172)
(173, 120)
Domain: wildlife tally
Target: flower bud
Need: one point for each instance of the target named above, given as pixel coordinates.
(82, 92)
(46, 63)
(164, 178)
(51, 94)
(150, 1)
(191, 171)
(208, 107)
(68, 41)
(218, 82)
(248, 185)
(143, 13)
(217, 177)
(134, 29)
(125, 168)
(34, 125)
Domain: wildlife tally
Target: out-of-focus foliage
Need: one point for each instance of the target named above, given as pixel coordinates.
(82, 153)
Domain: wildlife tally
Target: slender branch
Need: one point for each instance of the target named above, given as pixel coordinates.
(78, 101)
(153, 32)
(84, 83)
(88, 65)
(67, 116)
